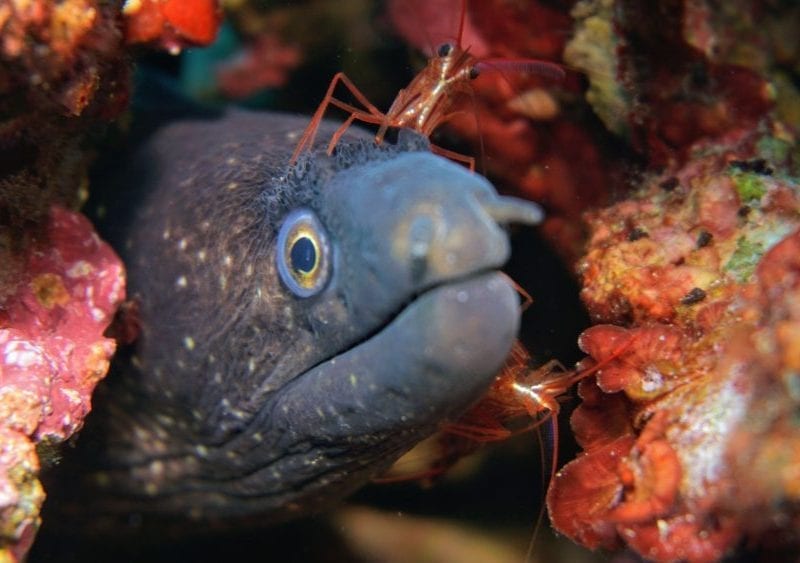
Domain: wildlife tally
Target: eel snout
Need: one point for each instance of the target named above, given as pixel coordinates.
(415, 222)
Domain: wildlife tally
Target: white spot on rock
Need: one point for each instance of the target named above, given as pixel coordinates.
(22, 354)
(80, 269)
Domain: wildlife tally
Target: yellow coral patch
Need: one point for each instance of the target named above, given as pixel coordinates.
(50, 291)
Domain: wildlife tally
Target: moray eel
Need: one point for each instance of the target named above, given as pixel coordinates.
(302, 326)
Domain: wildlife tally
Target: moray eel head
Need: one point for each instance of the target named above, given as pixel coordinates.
(302, 327)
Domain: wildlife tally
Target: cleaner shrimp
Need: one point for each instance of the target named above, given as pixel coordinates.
(430, 99)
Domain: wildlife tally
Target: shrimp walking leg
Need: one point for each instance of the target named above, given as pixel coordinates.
(308, 136)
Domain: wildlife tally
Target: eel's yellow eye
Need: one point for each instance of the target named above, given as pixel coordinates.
(303, 253)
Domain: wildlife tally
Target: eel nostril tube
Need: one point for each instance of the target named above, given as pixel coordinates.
(504, 210)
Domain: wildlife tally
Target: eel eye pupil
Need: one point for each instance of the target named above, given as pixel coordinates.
(444, 49)
(303, 255)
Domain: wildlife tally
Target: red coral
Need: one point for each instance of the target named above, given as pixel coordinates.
(650, 474)
(718, 207)
(637, 489)
(643, 369)
(602, 418)
(683, 94)
(173, 24)
(764, 454)
(587, 487)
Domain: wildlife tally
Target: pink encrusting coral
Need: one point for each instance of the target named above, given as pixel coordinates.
(52, 354)
(64, 76)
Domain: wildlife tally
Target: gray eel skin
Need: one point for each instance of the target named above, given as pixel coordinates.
(243, 397)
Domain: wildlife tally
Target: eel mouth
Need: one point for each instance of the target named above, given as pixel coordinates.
(431, 361)
(460, 284)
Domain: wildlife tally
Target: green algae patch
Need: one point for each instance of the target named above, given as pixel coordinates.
(749, 186)
(744, 260)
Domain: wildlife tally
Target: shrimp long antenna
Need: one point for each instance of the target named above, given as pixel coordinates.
(461, 21)
(545, 69)
(553, 424)
(482, 146)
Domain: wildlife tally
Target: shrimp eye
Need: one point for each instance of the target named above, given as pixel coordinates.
(303, 253)
(444, 49)
(473, 73)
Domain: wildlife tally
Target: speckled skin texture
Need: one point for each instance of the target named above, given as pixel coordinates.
(240, 398)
